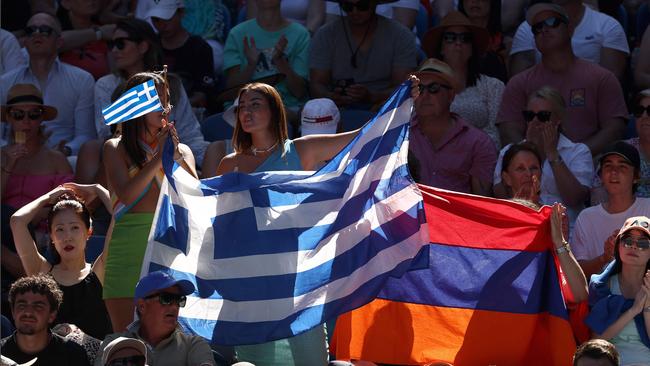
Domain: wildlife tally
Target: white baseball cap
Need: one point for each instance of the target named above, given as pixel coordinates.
(319, 116)
(165, 9)
(120, 343)
(229, 114)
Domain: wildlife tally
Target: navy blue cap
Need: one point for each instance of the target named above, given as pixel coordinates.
(158, 280)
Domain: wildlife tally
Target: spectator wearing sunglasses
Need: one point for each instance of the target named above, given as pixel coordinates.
(595, 37)
(359, 59)
(596, 109)
(567, 167)
(597, 226)
(159, 297)
(123, 351)
(452, 153)
(29, 168)
(461, 45)
(620, 296)
(67, 88)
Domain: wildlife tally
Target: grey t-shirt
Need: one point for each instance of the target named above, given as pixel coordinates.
(393, 46)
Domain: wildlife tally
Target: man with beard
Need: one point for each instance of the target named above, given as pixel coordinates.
(159, 297)
(34, 303)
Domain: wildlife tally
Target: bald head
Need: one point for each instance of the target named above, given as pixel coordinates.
(43, 18)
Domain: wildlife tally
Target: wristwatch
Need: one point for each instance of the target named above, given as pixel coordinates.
(565, 248)
(556, 161)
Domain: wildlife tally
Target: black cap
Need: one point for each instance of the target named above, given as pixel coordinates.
(624, 150)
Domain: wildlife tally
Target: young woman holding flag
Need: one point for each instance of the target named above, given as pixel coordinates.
(133, 164)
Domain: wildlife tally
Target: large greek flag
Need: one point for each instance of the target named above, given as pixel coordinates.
(136, 102)
(274, 254)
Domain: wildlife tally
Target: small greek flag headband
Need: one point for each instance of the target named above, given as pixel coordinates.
(136, 102)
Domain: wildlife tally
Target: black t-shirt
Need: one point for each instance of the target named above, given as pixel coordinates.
(58, 352)
(193, 63)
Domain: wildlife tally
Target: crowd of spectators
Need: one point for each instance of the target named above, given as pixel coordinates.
(537, 101)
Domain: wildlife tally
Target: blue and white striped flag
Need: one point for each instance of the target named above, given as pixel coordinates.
(274, 254)
(136, 102)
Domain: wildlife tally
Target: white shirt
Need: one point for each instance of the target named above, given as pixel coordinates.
(595, 31)
(594, 225)
(576, 157)
(70, 90)
(12, 56)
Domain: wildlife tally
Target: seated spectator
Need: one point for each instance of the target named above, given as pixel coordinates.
(452, 154)
(310, 13)
(270, 44)
(641, 143)
(596, 37)
(69, 227)
(642, 70)
(133, 165)
(404, 12)
(521, 172)
(596, 108)
(135, 49)
(67, 88)
(620, 296)
(359, 59)
(28, 169)
(460, 44)
(188, 56)
(596, 352)
(320, 117)
(12, 56)
(34, 303)
(567, 168)
(91, 56)
(596, 226)
(124, 351)
(487, 14)
(159, 296)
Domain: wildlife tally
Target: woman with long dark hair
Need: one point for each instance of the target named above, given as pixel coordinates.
(133, 163)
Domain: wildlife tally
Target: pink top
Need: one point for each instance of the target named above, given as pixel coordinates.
(22, 189)
(465, 152)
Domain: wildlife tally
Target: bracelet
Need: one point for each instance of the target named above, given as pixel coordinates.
(565, 248)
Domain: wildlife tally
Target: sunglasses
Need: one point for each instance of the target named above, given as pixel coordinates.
(118, 42)
(19, 115)
(451, 37)
(552, 22)
(363, 5)
(40, 29)
(542, 116)
(128, 361)
(433, 88)
(639, 109)
(640, 243)
(166, 298)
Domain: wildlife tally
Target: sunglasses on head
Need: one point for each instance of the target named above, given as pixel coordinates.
(552, 22)
(166, 298)
(433, 88)
(451, 37)
(128, 361)
(639, 109)
(19, 115)
(118, 42)
(362, 5)
(542, 116)
(640, 243)
(40, 29)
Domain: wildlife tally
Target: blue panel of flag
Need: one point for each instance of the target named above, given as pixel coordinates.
(274, 254)
(136, 102)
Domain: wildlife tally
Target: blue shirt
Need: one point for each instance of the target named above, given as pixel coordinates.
(70, 90)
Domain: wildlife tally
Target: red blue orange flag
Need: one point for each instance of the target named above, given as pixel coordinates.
(490, 295)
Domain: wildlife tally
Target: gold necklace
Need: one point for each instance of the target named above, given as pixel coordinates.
(256, 151)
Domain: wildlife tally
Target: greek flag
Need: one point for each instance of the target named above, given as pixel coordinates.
(136, 102)
(273, 254)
